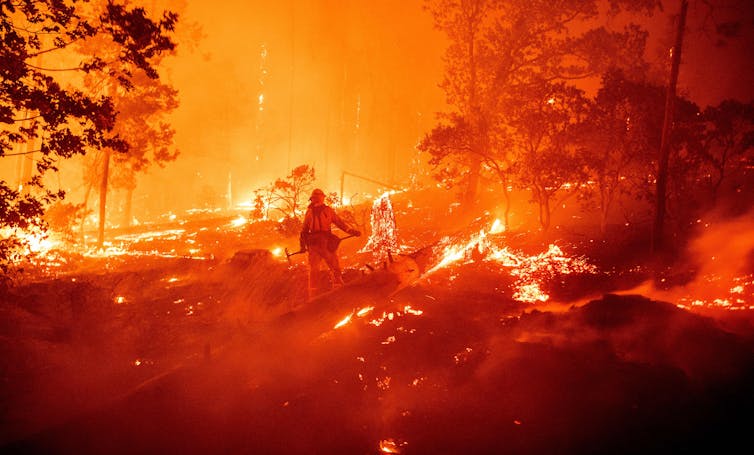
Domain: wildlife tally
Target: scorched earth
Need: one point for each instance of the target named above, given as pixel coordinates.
(196, 336)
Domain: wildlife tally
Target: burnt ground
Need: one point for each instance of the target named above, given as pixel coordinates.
(224, 355)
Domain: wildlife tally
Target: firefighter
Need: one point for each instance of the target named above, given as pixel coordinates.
(317, 239)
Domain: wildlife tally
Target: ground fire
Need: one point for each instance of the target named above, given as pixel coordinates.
(535, 217)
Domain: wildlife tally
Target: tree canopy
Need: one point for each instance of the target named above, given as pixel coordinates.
(44, 101)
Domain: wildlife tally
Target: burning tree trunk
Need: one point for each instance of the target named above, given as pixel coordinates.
(667, 125)
(383, 238)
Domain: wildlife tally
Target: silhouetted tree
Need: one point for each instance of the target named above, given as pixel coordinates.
(498, 50)
(35, 105)
(727, 143)
(141, 123)
(619, 139)
(285, 195)
(549, 159)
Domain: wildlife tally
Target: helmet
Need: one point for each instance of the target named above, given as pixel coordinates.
(316, 192)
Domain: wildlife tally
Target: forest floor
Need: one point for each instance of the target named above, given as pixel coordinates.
(196, 336)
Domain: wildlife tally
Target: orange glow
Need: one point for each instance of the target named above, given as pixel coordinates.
(389, 446)
(497, 227)
(363, 312)
(239, 221)
(525, 268)
(343, 321)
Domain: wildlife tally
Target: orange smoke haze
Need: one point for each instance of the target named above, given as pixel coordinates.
(343, 87)
(339, 86)
(720, 266)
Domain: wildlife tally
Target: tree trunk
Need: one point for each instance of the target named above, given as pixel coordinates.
(28, 166)
(83, 217)
(472, 187)
(506, 215)
(544, 213)
(662, 170)
(103, 199)
(128, 209)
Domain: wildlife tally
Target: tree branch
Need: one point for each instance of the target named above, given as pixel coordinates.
(20, 153)
(53, 69)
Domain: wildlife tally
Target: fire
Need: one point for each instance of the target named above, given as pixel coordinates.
(528, 270)
(343, 321)
(530, 293)
(390, 446)
(238, 222)
(362, 312)
(497, 227)
(384, 235)
(37, 242)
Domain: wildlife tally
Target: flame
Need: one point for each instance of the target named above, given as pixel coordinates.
(390, 446)
(343, 321)
(383, 238)
(37, 242)
(497, 227)
(238, 222)
(362, 312)
(528, 270)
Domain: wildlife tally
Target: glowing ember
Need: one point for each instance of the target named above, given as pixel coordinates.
(362, 312)
(390, 446)
(388, 340)
(408, 309)
(343, 321)
(530, 293)
(528, 270)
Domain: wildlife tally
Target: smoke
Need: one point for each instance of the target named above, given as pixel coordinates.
(721, 266)
(725, 249)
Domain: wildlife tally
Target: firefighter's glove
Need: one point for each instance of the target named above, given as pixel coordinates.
(355, 232)
(302, 241)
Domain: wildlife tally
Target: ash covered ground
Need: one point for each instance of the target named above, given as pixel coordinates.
(197, 337)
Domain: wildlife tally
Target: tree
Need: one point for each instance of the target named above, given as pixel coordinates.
(727, 142)
(618, 138)
(548, 120)
(142, 102)
(47, 103)
(141, 124)
(663, 162)
(466, 84)
(498, 50)
(285, 194)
